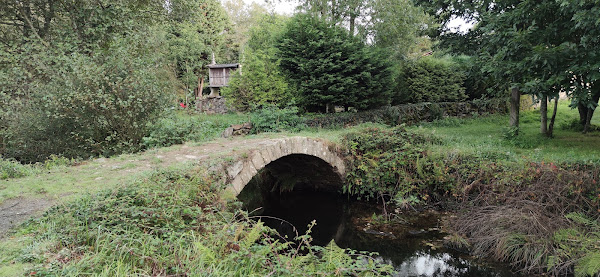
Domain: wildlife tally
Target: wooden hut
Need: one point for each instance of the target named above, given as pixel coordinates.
(218, 76)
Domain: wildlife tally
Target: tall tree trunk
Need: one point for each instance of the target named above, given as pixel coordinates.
(544, 115)
(515, 96)
(551, 127)
(199, 88)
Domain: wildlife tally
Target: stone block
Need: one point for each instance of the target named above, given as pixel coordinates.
(235, 169)
(257, 160)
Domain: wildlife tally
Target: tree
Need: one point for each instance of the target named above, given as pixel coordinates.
(195, 30)
(392, 24)
(536, 47)
(79, 78)
(243, 17)
(329, 67)
(261, 83)
(396, 25)
(584, 29)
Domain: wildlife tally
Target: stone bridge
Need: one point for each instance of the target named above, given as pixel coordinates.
(306, 161)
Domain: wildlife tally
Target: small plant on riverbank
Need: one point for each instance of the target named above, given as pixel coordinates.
(385, 162)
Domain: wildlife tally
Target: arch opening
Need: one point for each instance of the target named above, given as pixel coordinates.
(292, 191)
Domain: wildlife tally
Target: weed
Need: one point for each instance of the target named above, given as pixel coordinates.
(13, 169)
(179, 128)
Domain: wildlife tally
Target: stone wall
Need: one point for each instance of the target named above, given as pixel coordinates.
(211, 105)
(410, 113)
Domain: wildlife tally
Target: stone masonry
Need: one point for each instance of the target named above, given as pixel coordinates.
(241, 172)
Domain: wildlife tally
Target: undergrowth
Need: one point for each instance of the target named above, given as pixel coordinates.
(539, 217)
(180, 128)
(174, 223)
(10, 168)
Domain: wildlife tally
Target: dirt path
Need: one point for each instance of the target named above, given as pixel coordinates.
(30, 196)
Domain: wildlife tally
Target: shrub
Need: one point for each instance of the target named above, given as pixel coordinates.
(270, 118)
(177, 129)
(92, 104)
(388, 162)
(477, 84)
(13, 169)
(431, 79)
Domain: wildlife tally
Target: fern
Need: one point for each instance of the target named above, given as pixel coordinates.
(583, 220)
(252, 236)
(589, 265)
(579, 244)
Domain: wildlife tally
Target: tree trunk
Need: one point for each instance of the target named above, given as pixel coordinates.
(582, 113)
(515, 96)
(551, 127)
(588, 118)
(586, 114)
(352, 24)
(198, 90)
(544, 115)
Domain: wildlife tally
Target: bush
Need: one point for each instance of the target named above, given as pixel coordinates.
(477, 83)
(431, 79)
(388, 162)
(84, 105)
(177, 129)
(13, 169)
(270, 118)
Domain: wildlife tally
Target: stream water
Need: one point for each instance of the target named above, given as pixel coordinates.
(413, 245)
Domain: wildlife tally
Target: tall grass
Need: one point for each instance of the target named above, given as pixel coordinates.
(173, 223)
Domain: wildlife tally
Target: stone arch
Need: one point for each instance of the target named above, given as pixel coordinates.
(244, 170)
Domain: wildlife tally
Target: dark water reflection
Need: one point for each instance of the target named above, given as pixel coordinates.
(414, 247)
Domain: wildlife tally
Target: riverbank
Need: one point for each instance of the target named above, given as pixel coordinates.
(541, 217)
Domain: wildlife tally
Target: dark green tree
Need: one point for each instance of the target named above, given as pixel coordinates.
(328, 67)
(431, 79)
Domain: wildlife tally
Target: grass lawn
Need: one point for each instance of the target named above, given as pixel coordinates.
(487, 136)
